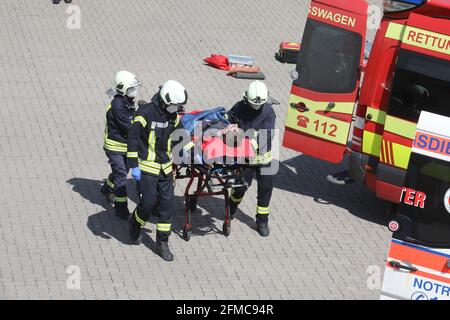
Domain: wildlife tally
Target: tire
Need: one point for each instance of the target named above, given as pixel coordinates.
(187, 234)
(226, 229)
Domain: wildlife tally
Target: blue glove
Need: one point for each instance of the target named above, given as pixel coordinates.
(136, 173)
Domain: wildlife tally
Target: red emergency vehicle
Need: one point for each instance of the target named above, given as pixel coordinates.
(400, 146)
(407, 72)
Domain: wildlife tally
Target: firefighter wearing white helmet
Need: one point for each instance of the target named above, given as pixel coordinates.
(150, 157)
(256, 117)
(119, 117)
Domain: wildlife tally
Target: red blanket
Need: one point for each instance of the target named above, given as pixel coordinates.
(214, 147)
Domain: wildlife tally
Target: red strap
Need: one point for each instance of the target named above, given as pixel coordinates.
(218, 61)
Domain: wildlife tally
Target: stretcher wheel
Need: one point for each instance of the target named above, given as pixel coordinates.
(226, 229)
(187, 234)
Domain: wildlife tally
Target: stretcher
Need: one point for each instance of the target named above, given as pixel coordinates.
(219, 171)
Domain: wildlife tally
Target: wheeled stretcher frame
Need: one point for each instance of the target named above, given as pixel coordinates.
(211, 180)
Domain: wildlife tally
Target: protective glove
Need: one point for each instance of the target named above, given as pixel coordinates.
(136, 173)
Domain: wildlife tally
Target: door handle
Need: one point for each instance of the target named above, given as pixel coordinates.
(330, 107)
(301, 106)
(398, 265)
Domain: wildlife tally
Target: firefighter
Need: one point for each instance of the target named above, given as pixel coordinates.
(119, 117)
(255, 113)
(150, 157)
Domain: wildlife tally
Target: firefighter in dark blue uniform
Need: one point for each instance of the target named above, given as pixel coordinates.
(150, 157)
(119, 117)
(256, 117)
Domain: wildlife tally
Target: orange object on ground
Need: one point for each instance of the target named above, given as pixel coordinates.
(241, 68)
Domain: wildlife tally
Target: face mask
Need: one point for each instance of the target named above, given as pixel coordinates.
(255, 106)
(132, 93)
(172, 108)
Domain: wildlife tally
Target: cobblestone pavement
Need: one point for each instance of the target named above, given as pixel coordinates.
(323, 237)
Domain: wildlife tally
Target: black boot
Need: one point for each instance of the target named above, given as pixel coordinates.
(68, 1)
(108, 192)
(263, 229)
(134, 229)
(56, 1)
(164, 251)
(122, 211)
(232, 206)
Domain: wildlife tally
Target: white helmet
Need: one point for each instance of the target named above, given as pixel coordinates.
(256, 95)
(124, 81)
(173, 93)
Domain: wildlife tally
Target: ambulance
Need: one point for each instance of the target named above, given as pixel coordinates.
(400, 143)
(408, 71)
(418, 264)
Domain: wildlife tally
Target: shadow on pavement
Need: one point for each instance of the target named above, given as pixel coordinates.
(307, 176)
(105, 224)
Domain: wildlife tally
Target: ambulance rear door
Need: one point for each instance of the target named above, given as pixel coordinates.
(418, 265)
(421, 83)
(326, 88)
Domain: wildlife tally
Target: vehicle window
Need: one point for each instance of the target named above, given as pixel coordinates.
(431, 224)
(421, 83)
(329, 59)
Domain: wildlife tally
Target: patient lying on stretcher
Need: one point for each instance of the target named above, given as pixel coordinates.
(214, 140)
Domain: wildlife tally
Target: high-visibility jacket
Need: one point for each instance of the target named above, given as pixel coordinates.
(119, 117)
(249, 119)
(149, 142)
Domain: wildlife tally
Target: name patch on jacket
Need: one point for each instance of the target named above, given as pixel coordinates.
(162, 125)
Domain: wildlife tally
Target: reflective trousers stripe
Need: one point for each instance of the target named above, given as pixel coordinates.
(132, 155)
(164, 227)
(262, 210)
(138, 219)
(235, 200)
(110, 184)
(121, 199)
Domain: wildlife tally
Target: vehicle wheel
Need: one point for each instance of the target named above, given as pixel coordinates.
(226, 229)
(187, 233)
